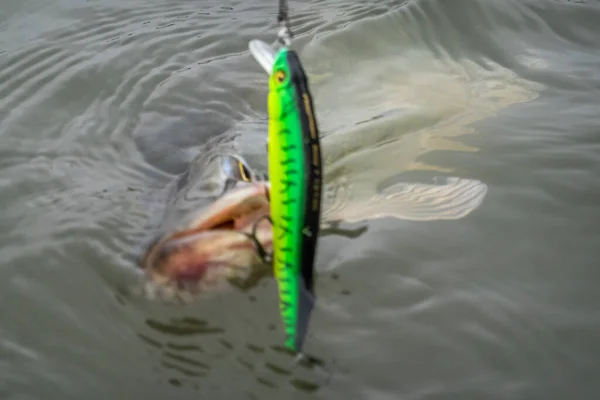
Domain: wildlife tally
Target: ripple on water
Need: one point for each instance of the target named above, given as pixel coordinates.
(78, 65)
(77, 103)
(71, 103)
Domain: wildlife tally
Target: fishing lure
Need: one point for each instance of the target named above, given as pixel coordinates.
(296, 186)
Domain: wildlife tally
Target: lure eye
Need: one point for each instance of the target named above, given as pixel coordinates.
(280, 76)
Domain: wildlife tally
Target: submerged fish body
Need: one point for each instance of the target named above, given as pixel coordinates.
(225, 241)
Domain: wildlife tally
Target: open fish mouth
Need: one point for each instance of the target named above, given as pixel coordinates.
(221, 243)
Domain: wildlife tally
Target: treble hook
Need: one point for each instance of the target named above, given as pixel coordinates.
(265, 257)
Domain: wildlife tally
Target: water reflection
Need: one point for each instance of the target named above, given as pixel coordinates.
(192, 351)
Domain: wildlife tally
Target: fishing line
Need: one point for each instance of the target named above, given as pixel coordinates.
(285, 34)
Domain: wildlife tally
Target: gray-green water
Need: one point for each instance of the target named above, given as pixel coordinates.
(103, 100)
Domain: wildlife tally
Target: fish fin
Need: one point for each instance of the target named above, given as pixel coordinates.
(453, 199)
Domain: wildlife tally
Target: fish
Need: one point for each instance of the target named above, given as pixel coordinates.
(212, 243)
(219, 244)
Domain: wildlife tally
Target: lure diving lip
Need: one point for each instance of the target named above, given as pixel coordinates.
(295, 171)
(263, 54)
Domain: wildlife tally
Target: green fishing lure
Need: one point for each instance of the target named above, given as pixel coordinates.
(296, 180)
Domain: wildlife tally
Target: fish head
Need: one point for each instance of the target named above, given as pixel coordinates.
(223, 242)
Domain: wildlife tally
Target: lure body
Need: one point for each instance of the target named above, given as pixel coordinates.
(295, 196)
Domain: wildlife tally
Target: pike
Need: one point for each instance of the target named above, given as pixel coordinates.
(275, 221)
(207, 248)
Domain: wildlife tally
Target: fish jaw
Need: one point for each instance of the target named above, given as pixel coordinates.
(219, 245)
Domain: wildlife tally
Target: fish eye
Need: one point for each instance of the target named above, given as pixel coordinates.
(244, 172)
(280, 76)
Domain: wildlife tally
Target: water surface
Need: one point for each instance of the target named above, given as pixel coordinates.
(104, 101)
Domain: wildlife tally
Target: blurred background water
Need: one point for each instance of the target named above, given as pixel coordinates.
(104, 101)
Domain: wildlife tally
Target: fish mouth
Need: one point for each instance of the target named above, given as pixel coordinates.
(221, 243)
